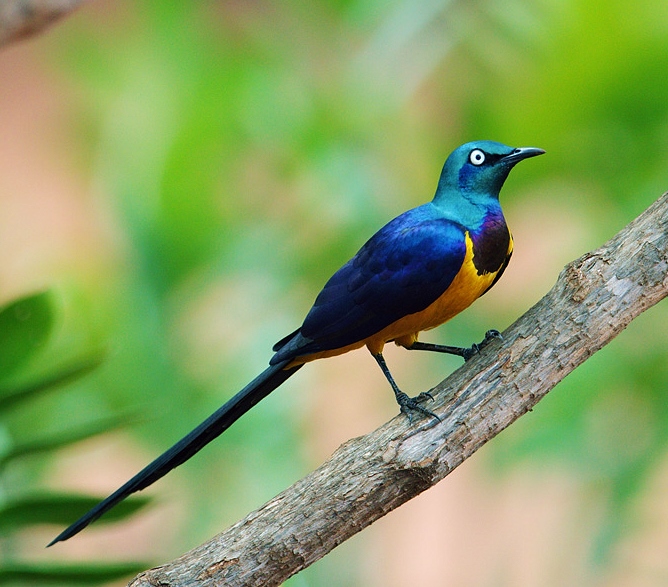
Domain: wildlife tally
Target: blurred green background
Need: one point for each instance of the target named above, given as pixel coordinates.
(184, 176)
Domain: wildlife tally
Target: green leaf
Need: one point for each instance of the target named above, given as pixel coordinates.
(64, 438)
(67, 574)
(25, 325)
(10, 395)
(56, 508)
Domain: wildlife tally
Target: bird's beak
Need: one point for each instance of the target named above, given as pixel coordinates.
(521, 153)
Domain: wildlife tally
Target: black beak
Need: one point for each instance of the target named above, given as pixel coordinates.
(521, 153)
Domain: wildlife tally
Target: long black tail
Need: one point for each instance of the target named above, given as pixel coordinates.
(190, 444)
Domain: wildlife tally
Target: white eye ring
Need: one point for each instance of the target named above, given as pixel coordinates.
(477, 157)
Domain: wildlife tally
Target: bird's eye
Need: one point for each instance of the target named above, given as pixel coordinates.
(477, 157)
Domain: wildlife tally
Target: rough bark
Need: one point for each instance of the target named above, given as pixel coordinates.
(23, 18)
(594, 299)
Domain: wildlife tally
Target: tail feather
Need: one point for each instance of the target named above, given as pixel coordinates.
(190, 444)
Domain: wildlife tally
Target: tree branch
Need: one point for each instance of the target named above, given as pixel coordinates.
(23, 18)
(594, 299)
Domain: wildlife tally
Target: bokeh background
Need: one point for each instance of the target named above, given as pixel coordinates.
(184, 176)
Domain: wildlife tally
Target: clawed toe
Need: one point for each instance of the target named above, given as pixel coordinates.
(490, 335)
(424, 396)
(410, 405)
(470, 352)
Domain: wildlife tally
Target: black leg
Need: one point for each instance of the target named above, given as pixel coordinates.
(407, 404)
(465, 353)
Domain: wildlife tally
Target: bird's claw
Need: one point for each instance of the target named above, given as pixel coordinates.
(409, 405)
(490, 335)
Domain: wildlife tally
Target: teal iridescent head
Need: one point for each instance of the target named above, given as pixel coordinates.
(480, 168)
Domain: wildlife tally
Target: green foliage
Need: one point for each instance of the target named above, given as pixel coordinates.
(63, 574)
(25, 327)
(53, 508)
(10, 395)
(245, 150)
(37, 444)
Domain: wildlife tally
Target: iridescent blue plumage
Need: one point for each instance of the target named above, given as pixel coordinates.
(412, 261)
(401, 270)
(415, 273)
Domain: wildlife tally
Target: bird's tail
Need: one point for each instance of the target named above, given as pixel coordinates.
(190, 444)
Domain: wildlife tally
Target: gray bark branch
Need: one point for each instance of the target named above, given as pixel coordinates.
(594, 299)
(23, 18)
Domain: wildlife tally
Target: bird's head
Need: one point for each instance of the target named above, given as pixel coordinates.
(479, 168)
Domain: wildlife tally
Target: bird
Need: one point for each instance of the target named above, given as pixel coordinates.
(417, 272)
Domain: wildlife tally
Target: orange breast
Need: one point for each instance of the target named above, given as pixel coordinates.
(466, 288)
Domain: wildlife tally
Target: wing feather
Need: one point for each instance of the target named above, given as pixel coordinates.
(402, 269)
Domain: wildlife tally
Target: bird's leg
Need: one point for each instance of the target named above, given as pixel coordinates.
(465, 352)
(407, 404)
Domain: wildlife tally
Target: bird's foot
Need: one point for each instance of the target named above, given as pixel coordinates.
(411, 405)
(474, 349)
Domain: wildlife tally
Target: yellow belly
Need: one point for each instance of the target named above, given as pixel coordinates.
(466, 288)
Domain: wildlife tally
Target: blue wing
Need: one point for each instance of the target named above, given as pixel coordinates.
(402, 269)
